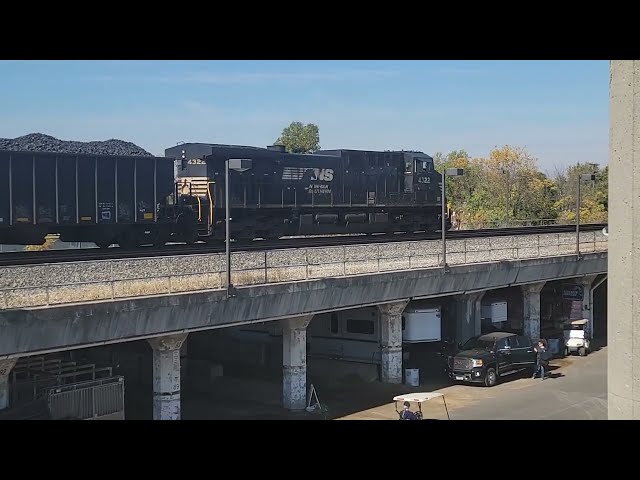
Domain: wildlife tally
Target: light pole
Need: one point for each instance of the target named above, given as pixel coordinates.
(505, 172)
(586, 177)
(452, 172)
(238, 165)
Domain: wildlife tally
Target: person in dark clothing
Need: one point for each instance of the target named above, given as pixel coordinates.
(542, 362)
(407, 414)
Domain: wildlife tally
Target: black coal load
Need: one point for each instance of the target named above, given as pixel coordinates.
(39, 142)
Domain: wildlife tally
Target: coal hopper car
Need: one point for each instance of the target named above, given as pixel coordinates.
(105, 199)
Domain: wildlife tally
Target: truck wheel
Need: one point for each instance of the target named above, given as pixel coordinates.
(582, 351)
(490, 378)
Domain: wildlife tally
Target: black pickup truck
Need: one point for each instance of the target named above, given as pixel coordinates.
(486, 358)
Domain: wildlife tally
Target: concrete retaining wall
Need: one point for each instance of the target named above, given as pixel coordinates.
(90, 281)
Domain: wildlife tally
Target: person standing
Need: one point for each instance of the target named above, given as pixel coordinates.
(541, 359)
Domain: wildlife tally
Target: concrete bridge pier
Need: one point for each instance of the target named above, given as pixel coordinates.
(294, 362)
(5, 369)
(531, 303)
(391, 341)
(468, 316)
(166, 376)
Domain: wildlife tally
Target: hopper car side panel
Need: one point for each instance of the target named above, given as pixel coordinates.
(89, 198)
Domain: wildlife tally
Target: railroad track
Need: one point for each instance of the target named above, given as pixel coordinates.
(91, 254)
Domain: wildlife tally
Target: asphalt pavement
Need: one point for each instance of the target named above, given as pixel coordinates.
(575, 392)
(576, 389)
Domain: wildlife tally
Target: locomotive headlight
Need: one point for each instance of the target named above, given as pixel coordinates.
(476, 363)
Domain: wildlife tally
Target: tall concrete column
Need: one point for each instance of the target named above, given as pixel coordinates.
(166, 376)
(623, 331)
(468, 316)
(5, 369)
(294, 362)
(531, 303)
(391, 341)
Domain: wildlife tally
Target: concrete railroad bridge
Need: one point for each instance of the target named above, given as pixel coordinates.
(58, 307)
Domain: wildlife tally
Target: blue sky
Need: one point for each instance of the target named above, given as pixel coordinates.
(558, 110)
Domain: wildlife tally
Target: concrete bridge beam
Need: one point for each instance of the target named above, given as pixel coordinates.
(5, 369)
(391, 341)
(294, 362)
(166, 376)
(468, 315)
(531, 302)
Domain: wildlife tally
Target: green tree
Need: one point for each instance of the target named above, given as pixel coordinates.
(504, 188)
(300, 138)
(594, 196)
(462, 192)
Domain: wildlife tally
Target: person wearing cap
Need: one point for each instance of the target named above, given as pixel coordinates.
(407, 414)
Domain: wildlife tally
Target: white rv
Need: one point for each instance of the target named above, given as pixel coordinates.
(354, 335)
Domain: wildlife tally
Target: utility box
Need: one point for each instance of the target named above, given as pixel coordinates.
(495, 313)
(422, 324)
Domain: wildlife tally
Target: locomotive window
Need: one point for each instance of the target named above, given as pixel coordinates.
(365, 327)
(422, 165)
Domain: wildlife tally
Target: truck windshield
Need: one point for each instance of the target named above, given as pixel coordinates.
(478, 342)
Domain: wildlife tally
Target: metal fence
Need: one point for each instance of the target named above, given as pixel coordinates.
(514, 223)
(94, 399)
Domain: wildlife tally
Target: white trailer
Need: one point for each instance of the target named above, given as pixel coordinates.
(353, 335)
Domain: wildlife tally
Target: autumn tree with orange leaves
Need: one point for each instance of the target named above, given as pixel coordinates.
(506, 188)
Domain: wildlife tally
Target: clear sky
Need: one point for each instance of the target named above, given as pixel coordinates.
(558, 110)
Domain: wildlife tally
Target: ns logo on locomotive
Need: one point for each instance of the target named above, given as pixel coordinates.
(146, 200)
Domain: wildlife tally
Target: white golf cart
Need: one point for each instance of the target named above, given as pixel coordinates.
(577, 337)
(419, 398)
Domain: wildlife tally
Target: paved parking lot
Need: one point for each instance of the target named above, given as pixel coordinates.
(576, 390)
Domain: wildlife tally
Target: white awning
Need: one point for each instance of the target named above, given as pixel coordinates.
(417, 397)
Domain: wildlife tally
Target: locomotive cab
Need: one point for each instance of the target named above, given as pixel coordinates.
(193, 190)
(425, 180)
(199, 204)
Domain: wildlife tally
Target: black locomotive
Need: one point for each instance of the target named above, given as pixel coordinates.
(140, 200)
(328, 192)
